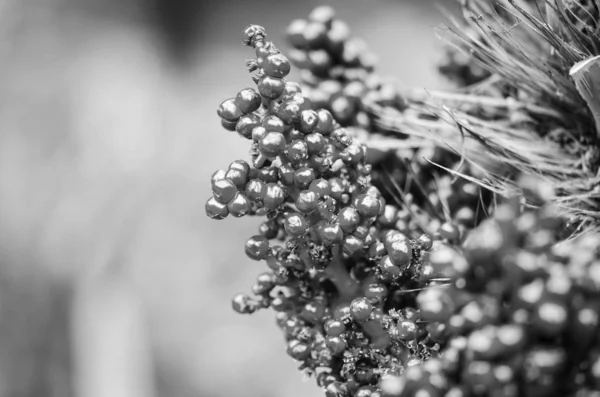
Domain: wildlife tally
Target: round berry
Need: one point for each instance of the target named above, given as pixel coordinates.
(297, 151)
(338, 187)
(248, 100)
(286, 174)
(361, 309)
(295, 225)
(376, 292)
(239, 178)
(218, 175)
(315, 34)
(330, 233)
(246, 124)
(320, 186)
(303, 177)
(435, 305)
(229, 111)
(229, 125)
(257, 247)
(308, 121)
(307, 201)
(352, 244)
(242, 304)
(450, 232)
(400, 252)
(273, 123)
(274, 196)
(335, 344)
(315, 143)
(353, 155)
(224, 190)
(336, 37)
(349, 219)
(320, 62)
(313, 312)
(258, 133)
(272, 144)
(407, 330)
(239, 206)
(389, 271)
(255, 190)
(269, 175)
(326, 122)
(334, 327)
(425, 242)
(289, 112)
(298, 350)
(367, 205)
(276, 65)
(270, 87)
(215, 209)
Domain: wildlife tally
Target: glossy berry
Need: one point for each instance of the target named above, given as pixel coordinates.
(215, 209)
(246, 124)
(361, 309)
(274, 196)
(315, 143)
(255, 190)
(289, 112)
(335, 344)
(330, 233)
(229, 111)
(257, 247)
(297, 151)
(295, 225)
(242, 304)
(224, 190)
(349, 219)
(239, 206)
(320, 187)
(273, 124)
(248, 100)
(352, 244)
(334, 327)
(270, 87)
(303, 177)
(307, 201)
(272, 144)
(367, 206)
(276, 65)
(286, 174)
(258, 133)
(308, 121)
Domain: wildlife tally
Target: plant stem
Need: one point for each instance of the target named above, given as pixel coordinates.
(347, 287)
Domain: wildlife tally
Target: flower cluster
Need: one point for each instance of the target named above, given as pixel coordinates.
(521, 317)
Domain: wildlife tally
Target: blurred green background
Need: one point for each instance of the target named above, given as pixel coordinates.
(112, 280)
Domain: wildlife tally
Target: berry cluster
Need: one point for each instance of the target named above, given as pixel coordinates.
(337, 69)
(521, 317)
(342, 276)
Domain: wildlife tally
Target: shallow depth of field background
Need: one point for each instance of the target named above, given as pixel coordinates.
(112, 280)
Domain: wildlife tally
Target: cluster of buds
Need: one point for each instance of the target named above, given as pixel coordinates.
(343, 278)
(520, 318)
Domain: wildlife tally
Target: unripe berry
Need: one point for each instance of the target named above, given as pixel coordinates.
(229, 111)
(246, 124)
(215, 209)
(295, 225)
(303, 177)
(255, 190)
(307, 201)
(367, 205)
(289, 112)
(320, 186)
(315, 143)
(361, 309)
(326, 122)
(270, 87)
(349, 219)
(257, 247)
(297, 151)
(224, 190)
(274, 196)
(239, 206)
(248, 100)
(330, 233)
(272, 144)
(276, 65)
(242, 304)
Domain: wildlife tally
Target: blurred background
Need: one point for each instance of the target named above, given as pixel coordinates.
(112, 280)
